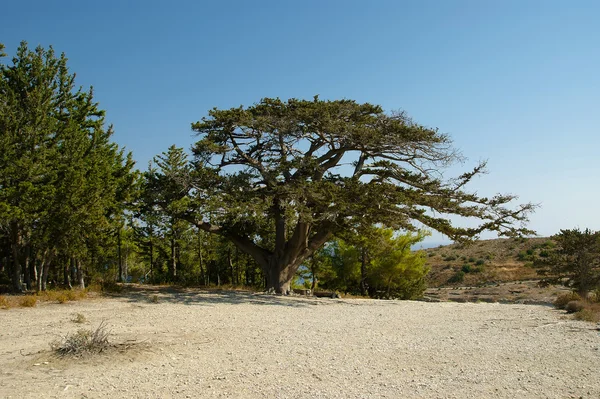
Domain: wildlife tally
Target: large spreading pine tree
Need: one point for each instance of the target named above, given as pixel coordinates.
(279, 179)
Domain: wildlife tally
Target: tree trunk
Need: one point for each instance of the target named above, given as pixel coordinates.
(66, 275)
(126, 266)
(173, 268)
(230, 263)
(40, 272)
(280, 276)
(26, 266)
(45, 271)
(151, 258)
(201, 260)
(15, 246)
(363, 273)
(73, 271)
(119, 257)
(80, 275)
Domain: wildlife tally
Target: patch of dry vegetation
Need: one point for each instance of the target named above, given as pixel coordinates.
(4, 302)
(32, 299)
(83, 342)
(582, 309)
(79, 318)
(63, 296)
(28, 301)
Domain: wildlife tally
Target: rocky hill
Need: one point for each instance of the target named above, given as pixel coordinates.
(499, 270)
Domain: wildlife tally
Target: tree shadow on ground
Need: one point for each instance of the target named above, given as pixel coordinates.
(200, 296)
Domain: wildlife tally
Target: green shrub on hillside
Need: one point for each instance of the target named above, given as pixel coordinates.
(458, 277)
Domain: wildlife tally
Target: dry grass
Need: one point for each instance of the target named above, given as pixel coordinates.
(63, 296)
(563, 300)
(31, 300)
(584, 310)
(591, 314)
(28, 301)
(83, 342)
(5, 303)
(78, 318)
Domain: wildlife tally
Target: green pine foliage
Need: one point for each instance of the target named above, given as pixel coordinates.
(378, 262)
(573, 260)
(63, 182)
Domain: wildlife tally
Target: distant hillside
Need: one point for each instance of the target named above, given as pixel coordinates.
(485, 261)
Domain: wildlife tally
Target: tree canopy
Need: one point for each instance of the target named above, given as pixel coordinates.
(280, 178)
(575, 261)
(62, 181)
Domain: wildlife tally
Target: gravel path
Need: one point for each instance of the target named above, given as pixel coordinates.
(239, 345)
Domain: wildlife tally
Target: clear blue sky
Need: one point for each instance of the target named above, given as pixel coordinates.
(514, 82)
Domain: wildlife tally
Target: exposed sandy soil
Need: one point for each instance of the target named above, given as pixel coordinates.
(240, 345)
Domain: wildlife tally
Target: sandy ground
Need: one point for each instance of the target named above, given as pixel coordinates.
(238, 345)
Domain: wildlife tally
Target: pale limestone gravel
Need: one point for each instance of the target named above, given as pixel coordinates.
(241, 345)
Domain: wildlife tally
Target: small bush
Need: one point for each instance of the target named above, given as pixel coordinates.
(530, 251)
(574, 306)
(548, 244)
(430, 254)
(480, 262)
(28, 301)
(450, 258)
(62, 297)
(544, 253)
(562, 300)
(472, 259)
(82, 342)
(458, 277)
(111, 287)
(94, 287)
(466, 268)
(4, 303)
(587, 314)
(79, 318)
(154, 299)
(489, 256)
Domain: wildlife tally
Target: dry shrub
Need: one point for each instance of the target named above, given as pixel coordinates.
(563, 299)
(83, 342)
(590, 311)
(78, 318)
(4, 302)
(575, 306)
(94, 287)
(62, 296)
(111, 287)
(76, 295)
(28, 301)
(588, 314)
